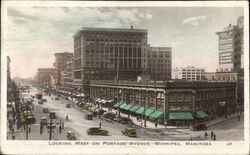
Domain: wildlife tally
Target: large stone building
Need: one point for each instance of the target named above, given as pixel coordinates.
(159, 61)
(109, 54)
(60, 62)
(182, 99)
(189, 73)
(45, 75)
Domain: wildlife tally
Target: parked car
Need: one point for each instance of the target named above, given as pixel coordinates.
(40, 102)
(124, 120)
(45, 110)
(52, 115)
(97, 131)
(88, 116)
(198, 126)
(131, 132)
(44, 100)
(44, 120)
(56, 98)
(68, 105)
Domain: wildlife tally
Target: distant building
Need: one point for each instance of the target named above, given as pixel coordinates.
(159, 61)
(231, 47)
(189, 73)
(44, 75)
(68, 74)
(60, 62)
(221, 76)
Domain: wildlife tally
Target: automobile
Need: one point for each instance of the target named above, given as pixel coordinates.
(43, 120)
(52, 115)
(45, 110)
(71, 135)
(97, 131)
(88, 116)
(56, 98)
(40, 102)
(198, 126)
(44, 100)
(68, 105)
(124, 120)
(131, 132)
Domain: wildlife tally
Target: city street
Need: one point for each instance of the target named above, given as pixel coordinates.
(231, 129)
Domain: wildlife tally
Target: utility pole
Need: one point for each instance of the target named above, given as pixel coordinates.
(27, 127)
(50, 129)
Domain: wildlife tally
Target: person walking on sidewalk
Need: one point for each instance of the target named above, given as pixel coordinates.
(206, 135)
(155, 125)
(212, 134)
(214, 137)
(100, 125)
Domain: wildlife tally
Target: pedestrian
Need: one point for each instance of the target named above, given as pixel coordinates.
(60, 129)
(214, 137)
(238, 118)
(191, 138)
(100, 125)
(212, 134)
(29, 129)
(67, 118)
(62, 125)
(165, 124)
(141, 124)
(206, 135)
(155, 125)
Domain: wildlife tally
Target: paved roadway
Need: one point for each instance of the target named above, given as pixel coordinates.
(229, 130)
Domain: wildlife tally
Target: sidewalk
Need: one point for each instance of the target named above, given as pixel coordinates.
(151, 125)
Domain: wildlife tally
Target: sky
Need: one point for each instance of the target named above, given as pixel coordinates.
(34, 34)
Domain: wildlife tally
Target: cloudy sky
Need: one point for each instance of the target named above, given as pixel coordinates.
(34, 34)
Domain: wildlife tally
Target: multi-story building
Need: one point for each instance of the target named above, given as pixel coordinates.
(108, 54)
(189, 73)
(221, 76)
(186, 99)
(60, 62)
(68, 74)
(159, 61)
(231, 47)
(45, 75)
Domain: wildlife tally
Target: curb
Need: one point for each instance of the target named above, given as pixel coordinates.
(221, 121)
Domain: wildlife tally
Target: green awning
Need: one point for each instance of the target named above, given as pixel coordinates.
(117, 105)
(148, 112)
(157, 114)
(201, 114)
(122, 105)
(140, 110)
(180, 116)
(134, 108)
(128, 107)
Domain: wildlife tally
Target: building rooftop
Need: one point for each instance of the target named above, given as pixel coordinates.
(131, 30)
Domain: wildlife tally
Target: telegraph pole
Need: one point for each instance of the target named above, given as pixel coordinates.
(50, 129)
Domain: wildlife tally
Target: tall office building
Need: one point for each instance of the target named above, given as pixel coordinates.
(60, 63)
(108, 54)
(231, 47)
(159, 61)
